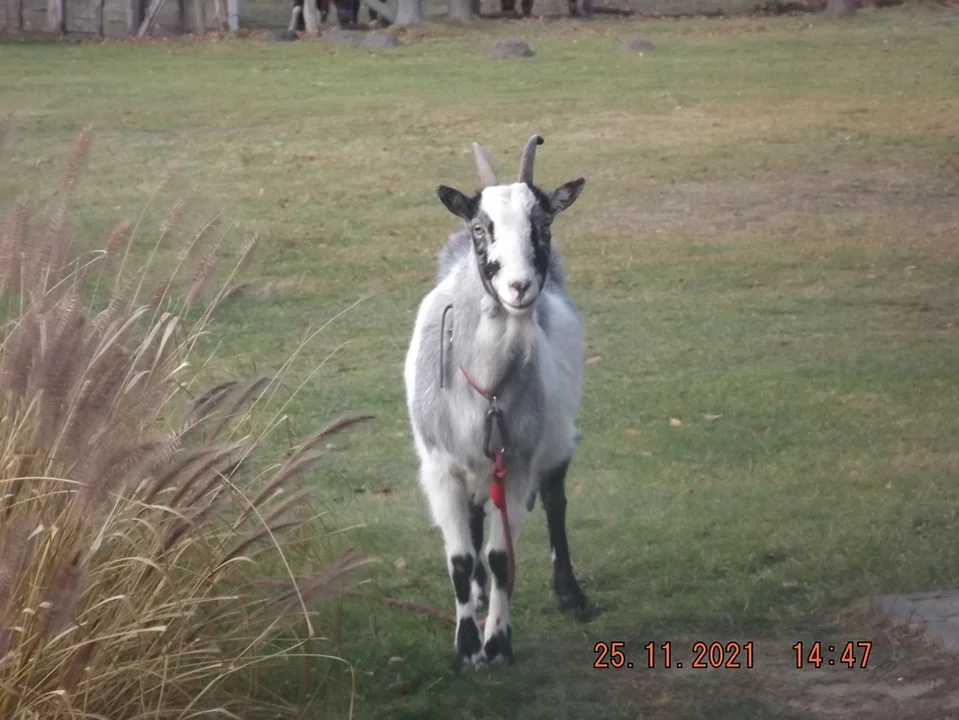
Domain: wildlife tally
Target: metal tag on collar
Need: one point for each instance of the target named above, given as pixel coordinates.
(493, 421)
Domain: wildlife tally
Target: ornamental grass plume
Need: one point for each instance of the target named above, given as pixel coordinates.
(150, 552)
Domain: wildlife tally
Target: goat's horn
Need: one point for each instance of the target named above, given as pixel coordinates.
(484, 167)
(526, 162)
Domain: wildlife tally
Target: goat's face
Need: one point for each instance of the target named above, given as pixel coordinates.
(510, 226)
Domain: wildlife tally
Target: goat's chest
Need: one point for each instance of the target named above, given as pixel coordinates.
(471, 431)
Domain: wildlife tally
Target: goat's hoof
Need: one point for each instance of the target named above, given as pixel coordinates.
(468, 646)
(571, 600)
(476, 663)
(499, 647)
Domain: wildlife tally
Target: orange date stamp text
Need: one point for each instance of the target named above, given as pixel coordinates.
(733, 655)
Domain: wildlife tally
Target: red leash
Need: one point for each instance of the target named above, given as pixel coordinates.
(497, 491)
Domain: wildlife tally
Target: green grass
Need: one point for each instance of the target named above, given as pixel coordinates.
(768, 232)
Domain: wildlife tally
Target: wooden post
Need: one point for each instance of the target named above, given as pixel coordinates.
(14, 14)
(199, 17)
(55, 15)
(134, 16)
(218, 15)
(233, 14)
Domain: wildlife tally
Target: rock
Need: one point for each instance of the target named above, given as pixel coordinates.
(377, 39)
(504, 49)
(341, 36)
(280, 35)
(638, 44)
(401, 687)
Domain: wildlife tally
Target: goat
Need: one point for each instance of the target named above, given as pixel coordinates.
(347, 13)
(511, 328)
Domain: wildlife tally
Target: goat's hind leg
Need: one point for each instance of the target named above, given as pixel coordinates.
(449, 506)
(570, 598)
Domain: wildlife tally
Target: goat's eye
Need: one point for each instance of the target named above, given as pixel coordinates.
(478, 229)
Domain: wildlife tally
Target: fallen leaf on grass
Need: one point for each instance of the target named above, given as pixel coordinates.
(400, 563)
(577, 488)
(675, 423)
(396, 659)
(632, 432)
(593, 360)
(709, 417)
(688, 491)
(382, 491)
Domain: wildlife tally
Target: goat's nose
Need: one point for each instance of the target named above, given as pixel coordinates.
(520, 286)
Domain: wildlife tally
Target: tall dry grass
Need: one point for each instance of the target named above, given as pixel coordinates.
(151, 553)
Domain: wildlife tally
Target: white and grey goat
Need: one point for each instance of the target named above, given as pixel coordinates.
(499, 314)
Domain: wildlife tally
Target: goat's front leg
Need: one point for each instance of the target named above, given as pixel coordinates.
(498, 640)
(477, 518)
(449, 505)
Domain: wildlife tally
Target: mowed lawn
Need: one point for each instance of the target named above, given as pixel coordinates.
(766, 251)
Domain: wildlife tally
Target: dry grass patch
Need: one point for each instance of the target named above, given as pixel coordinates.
(153, 557)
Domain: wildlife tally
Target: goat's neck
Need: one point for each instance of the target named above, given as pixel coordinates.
(492, 338)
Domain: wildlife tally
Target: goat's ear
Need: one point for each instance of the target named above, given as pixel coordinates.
(565, 195)
(456, 202)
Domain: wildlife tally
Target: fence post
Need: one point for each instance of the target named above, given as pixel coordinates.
(13, 10)
(55, 16)
(134, 16)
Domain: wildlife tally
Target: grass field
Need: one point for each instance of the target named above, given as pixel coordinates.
(767, 250)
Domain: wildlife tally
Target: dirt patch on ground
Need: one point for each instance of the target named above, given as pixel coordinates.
(907, 677)
(726, 202)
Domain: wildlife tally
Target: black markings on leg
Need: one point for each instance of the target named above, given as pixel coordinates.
(462, 572)
(499, 566)
(569, 596)
(477, 516)
(468, 641)
(499, 648)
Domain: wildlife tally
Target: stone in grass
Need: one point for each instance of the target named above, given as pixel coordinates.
(281, 35)
(504, 49)
(638, 45)
(378, 39)
(342, 37)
